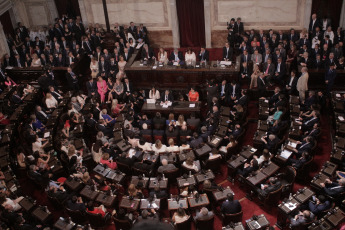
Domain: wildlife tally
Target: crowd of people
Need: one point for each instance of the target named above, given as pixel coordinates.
(110, 99)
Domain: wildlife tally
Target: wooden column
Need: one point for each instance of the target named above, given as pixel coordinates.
(106, 15)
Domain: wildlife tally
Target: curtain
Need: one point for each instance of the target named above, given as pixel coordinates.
(69, 7)
(6, 22)
(190, 15)
(330, 9)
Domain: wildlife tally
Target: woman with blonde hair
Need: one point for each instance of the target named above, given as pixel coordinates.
(134, 192)
(180, 121)
(158, 147)
(162, 56)
(94, 68)
(254, 77)
(108, 161)
(190, 164)
(102, 88)
(171, 120)
(51, 102)
(36, 62)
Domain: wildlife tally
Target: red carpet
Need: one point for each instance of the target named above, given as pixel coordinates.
(250, 207)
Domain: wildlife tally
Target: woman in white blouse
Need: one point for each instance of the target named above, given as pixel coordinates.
(154, 94)
(162, 56)
(94, 67)
(330, 33)
(158, 147)
(172, 147)
(190, 57)
(36, 62)
(180, 121)
(51, 102)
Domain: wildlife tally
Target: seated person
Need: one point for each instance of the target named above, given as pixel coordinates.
(312, 133)
(272, 186)
(171, 132)
(148, 215)
(179, 216)
(270, 142)
(160, 194)
(171, 120)
(248, 168)
(76, 204)
(333, 188)
(107, 118)
(184, 146)
(135, 192)
(172, 147)
(304, 146)
(165, 166)
(145, 146)
(190, 164)
(319, 204)
(235, 132)
(59, 193)
(265, 157)
(302, 218)
(108, 161)
(203, 214)
(299, 162)
(309, 123)
(276, 116)
(208, 185)
(145, 130)
(196, 141)
(214, 154)
(230, 206)
(158, 147)
(95, 210)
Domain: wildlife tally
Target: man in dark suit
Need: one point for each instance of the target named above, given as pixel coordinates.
(234, 91)
(126, 54)
(227, 52)
(147, 53)
(245, 73)
(203, 55)
(291, 84)
(167, 96)
(230, 206)
(314, 22)
(41, 115)
(16, 99)
(268, 70)
(72, 79)
(304, 146)
(223, 89)
(193, 121)
(270, 142)
(91, 87)
(333, 188)
(132, 29)
(245, 57)
(273, 185)
(104, 68)
(88, 48)
(176, 56)
(158, 121)
(318, 62)
(76, 204)
(243, 99)
(330, 76)
(125, 159)
(106, 130)
(262, 85)
(293, 36)
(280, 71)
(18, 62)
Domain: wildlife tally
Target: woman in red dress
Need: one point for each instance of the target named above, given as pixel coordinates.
(193, 95)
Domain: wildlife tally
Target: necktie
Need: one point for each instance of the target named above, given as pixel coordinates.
(166, 97)
(268, 66)
(256, 59)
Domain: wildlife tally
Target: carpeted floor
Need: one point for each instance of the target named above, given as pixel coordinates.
(250, 208)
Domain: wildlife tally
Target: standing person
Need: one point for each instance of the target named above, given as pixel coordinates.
(302, 83)
(102, 88)
(330, 77)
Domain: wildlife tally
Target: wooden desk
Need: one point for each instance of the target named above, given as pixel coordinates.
(174, 205)
(178, 76)
(329, 168)
(146, 204)
(340, 143)
(303, 195)
(201, 177)
(135, 180)
(106, 200)
(183, 156)
(204, 150)
(337, 155)
(26, 204)
(234, 164)
(42, 215)
(163, 184)
(198, 202)
(115, 176)
(236, 226)
(171, 158)
(182, 182)
(260, 223)
(177, 107)
(257, 178)
(336, 217)
(128, 204)
(270, 169)
(88, 193)
(222, 195)
(321, 225)
(319, 178)
(284, 210)
(74, 184)
(63, 224)
(248, 151)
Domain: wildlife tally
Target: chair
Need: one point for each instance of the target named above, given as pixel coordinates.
(234, 218)
(97, 220)
(172, 175)
(158, 137)
(147, 138)
(287, 179)
(122, 224)
(302, 173)
(137, 172)
(213, 164)
(77, 216)
(185, 225)
(272, 199)
(124, 168)
(56, 203)
(205, 224)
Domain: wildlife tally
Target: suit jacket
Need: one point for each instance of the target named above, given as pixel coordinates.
(180, 56)
(257, 58)
(316, 24)
(106, 66)
(282, 71)
(302, 83)
(170, 97)
(238, 28)
(334, 189)
(227, 53)
(271, 188)
(88, 48)
(226, 89)
(247, 59)
(271, 69)
(204, 56)
(293, 37)
(330, 76)
(129, 55)
(293, 84)
(231, 207)
(237, 90)
(243, 100)
(91, 88)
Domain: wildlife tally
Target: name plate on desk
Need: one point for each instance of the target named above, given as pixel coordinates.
(225, 63)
